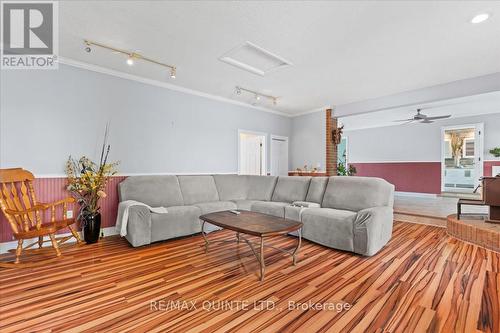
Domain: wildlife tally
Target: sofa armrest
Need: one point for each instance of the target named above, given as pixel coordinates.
(139, 226)
(372, 229)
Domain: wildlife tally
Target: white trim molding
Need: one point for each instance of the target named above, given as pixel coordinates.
(166, 85)
(374, 162)
(62, 175)
(415, 194)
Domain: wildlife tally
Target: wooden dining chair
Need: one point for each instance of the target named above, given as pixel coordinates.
(26, 215)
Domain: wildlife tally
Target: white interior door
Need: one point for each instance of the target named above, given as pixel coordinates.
(252, 154)
(279, 155)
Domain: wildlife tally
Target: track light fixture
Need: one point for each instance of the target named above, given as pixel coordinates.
(131, 56)
(258, 96)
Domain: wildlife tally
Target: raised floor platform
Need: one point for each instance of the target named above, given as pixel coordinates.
(475, 230)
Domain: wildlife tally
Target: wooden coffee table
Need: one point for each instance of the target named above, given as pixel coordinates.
(255, 224)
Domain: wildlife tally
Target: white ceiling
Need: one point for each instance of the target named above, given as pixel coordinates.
(458, 107)
(341, 52)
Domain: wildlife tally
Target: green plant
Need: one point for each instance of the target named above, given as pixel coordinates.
(495, 151)
(343, 169)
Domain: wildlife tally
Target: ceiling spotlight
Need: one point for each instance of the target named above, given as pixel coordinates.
(275, 101)
(130, 60)
(480, 18)
(172, 73)
(87, 47)
(257, 97)
(238, 91)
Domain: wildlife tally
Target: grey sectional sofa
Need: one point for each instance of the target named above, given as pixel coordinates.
(347, 213)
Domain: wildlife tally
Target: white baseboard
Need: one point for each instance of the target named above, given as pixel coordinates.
(415, 194)
(4, 247)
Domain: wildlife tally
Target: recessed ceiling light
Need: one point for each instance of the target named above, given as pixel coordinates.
(480, 18)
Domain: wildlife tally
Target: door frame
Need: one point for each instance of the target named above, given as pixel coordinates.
(264, 148)
(479, 144)
(279, 137)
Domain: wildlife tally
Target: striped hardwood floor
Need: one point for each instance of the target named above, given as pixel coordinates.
(423, 281)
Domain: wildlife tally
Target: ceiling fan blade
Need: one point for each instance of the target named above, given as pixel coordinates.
(438, 117)
(400, 120)
(426, 121)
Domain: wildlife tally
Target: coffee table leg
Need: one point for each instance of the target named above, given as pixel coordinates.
(204, 236)
(296, 251)
(261, 259)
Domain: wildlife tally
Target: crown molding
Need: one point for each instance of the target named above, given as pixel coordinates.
(320, 109)
(156, 83)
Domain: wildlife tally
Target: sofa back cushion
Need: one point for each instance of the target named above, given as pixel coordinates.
(231, 187)
(356, 193)
(154, 191)
(260, 187)
(198, 189)
(316, 189)
(290, 189)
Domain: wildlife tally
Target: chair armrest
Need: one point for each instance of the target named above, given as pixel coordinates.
(27, 211)
(372, 229)
(59, 202)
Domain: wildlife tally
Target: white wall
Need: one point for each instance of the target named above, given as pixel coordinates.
(308, 140)
(414, 142)
(46, 115)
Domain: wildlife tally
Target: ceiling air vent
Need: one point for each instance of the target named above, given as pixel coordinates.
(254, 59)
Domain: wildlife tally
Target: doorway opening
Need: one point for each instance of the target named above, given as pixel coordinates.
(461, 158)
(279, 155)
(252, 153)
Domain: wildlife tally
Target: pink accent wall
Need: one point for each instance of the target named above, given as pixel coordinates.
(421, 177)
(52, 189)
(488, 167)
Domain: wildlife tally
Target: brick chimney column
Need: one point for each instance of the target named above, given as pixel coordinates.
(331, 148)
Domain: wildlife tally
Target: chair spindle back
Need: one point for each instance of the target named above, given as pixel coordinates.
(17, 194)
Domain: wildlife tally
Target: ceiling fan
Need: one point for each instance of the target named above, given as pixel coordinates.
(424, 119)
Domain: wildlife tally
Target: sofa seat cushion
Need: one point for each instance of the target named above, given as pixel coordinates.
(245, 204)
(179, 221)
(330, 227)
(215, 206)
(270, 208)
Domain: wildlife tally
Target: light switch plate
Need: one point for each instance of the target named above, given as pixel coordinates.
(69, 214)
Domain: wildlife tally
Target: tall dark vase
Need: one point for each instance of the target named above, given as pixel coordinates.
(92, 229)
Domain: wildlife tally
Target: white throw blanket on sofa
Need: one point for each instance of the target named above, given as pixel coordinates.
(122, 216)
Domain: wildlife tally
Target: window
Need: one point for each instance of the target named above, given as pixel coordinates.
(468, 150)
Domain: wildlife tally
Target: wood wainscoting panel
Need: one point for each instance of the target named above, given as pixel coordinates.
(422, 281)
